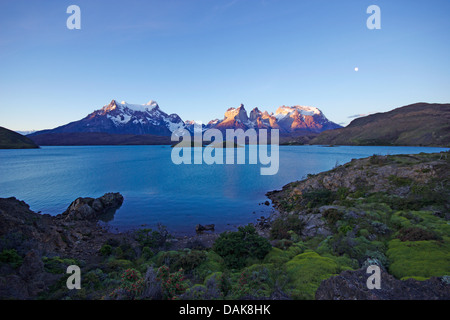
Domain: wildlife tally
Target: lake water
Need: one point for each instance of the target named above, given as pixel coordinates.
(158, 191)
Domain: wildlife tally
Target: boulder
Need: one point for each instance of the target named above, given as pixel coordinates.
(351, 285)
(92, 209)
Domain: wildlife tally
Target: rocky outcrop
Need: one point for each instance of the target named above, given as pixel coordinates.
(351, 285)
(75, 234)
(92, 209)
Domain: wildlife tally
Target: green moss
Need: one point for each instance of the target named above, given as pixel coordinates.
(278, 256)
(415, 278)
(419, 258)
(306, 271)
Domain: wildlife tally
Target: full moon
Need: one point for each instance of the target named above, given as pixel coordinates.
(356, 69)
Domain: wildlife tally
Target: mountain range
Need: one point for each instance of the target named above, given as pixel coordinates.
(419, 124)
(143, 123)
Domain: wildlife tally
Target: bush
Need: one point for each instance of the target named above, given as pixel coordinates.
(11, 257)
(152, 239)
(131, 285)
(211, 290)
(172, 284)
(236, 247)
(332, 216)
(188, 260)
(253, 282)
(119, 265)
(399, 181)
(280, 227)
(106, 250)
(183, 259)
(318, 198)
(378, 160)
(212, 264)
(57, 265)
(416, 234)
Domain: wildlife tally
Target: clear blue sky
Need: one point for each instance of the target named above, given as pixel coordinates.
(197, 58)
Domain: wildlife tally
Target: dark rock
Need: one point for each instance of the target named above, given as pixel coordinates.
(201, 228)
(267, 203)
(32, 266)
(263, 223)
(351, 285)
(92, 209)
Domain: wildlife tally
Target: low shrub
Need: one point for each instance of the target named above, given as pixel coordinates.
(317, 198)
(416, 234)
(281, 226)
(57, 265)
(236, 247)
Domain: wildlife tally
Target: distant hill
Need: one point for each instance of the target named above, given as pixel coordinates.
(98, 139)
(13, 140)
(420, 124)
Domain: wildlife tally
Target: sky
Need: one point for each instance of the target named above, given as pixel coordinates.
(197, 58)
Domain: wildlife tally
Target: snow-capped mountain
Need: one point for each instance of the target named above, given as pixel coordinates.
(125, 118)
(286, 119)
(134, 119)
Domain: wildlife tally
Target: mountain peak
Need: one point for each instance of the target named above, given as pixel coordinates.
(303, 110)
(125, 118)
